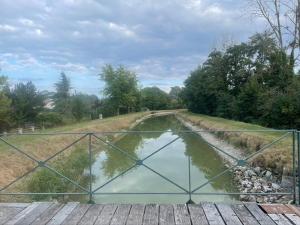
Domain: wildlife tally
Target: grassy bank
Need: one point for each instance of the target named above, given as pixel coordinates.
(71, 163)
(277, 157)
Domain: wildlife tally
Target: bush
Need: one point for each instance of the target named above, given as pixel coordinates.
(50, 119)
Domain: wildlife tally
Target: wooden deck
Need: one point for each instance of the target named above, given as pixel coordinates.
(39, 213)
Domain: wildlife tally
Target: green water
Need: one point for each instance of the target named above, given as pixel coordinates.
(171, 162)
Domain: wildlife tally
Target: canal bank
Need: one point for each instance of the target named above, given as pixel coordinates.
(254, 177)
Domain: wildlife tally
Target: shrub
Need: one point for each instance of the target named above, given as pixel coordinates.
(50, 119)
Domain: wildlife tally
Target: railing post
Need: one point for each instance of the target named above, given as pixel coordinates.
(90, 170)
(190, 201)
(298, 164)
(294, 171)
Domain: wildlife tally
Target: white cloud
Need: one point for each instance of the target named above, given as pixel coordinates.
(7, 28)
(121, 29)
(27, 22)
(70, 67)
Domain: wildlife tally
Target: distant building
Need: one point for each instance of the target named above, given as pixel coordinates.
(49, 104)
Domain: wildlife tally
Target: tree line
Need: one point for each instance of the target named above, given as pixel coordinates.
(252, 82)
(24, 103)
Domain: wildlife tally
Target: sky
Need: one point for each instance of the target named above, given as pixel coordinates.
(161, 40)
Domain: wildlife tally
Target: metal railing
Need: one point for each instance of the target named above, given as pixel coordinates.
(91, 191)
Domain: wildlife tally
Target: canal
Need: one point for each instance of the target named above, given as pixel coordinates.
(171, 162)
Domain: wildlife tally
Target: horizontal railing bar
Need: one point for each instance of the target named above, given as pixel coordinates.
(141, 193)
(132, 131)
(150, 193)
(30, 193)
(237, 193)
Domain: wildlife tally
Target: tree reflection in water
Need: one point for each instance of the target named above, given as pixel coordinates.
(203, 157)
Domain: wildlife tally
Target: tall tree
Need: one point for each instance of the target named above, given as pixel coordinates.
(282, 16)
(175, 96)
(27, 102)
(154, 98)
(5, 106)
(121, 88)
(78, 107)
(62, 96)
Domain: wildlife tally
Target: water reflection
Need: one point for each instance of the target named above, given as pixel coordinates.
(171, 162)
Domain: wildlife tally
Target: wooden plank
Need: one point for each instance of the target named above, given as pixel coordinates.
(151, 215)
(7, 213)
(197, 215)
(259, 215)
(280, 219)
(295, 210)
(244, 215)
(294, 218)
(14, 205)
(22, 214)
(166, 215)
(136, 214)
(212, 214)
(63, 213)
(121, 215)
(228, 214)
(181, 214)
(47, 215)
(276, 209)
(35, 213)
(76, 214)
(91, 215)
(106, 214)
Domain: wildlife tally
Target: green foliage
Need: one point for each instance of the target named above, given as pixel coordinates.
(176, 99)
(77, 108)
(251, 82)
(45, 180)
(155, 99)
(62, 98)
(84, 106)
(106, 108)
(27, 102)
(5, 106)
(121, 88)
(50, 119)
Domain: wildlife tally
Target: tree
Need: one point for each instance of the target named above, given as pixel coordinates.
(155, 99)
(5, 106)
(248, 102)
(62, 96)
(282, 17)
(83, 105)
(175, 96)
(77, 108)
(27, 102)
(238, 66)
(206, 85)
(121, 88)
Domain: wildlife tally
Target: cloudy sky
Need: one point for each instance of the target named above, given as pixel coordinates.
(161, 40)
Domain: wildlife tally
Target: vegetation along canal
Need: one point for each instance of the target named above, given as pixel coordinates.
(171, 162)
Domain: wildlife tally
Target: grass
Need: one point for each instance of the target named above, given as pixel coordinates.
(14, 164)
(276, 158)
(46, 181)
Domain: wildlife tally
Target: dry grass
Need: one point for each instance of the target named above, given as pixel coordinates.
(276, 157)
(14, 164)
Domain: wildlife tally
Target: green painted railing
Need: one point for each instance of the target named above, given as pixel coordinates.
(100, 136)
